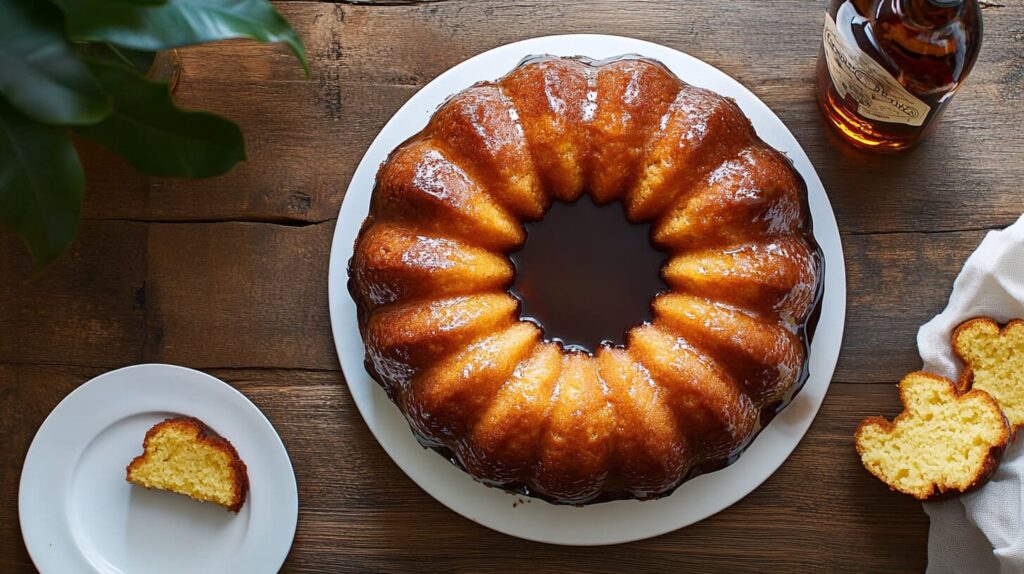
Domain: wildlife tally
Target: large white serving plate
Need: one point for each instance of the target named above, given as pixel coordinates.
(611, 522)
(79, 515)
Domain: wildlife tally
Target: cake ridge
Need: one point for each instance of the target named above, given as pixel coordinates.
(390, 248)
(574, 452)
(670, 453)
(565, 145)
(440, 387)
(614, 465)
(694, 109)
(752, 351)
(619, 136)
(688, 378)
(651, 146)
(745, 266)
(762, 200)
(493, 423)
(459, 196)
(461, 118)
(529, 148)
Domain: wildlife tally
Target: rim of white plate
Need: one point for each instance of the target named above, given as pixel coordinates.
(47, 512)
(610, 522)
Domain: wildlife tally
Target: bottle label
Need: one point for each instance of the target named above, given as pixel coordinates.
(879, 96)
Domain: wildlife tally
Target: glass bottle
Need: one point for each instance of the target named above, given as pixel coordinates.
(888, 68)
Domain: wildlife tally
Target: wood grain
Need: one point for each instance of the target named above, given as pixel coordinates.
(242, 294)
(811, 515)
(230, 275)
(306, 137)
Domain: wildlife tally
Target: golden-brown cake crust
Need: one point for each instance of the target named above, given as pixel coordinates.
(240, 475)
(688, 392)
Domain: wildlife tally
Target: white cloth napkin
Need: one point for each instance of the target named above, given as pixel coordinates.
(982, 531)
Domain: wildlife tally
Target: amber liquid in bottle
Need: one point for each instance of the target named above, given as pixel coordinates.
(888, 68)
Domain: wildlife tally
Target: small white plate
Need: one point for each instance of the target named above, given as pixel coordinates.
(79, 515)
(611, 522)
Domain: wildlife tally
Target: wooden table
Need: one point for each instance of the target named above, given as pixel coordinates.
(229, 275)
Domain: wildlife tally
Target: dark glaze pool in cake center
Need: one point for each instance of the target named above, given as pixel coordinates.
(586, 274)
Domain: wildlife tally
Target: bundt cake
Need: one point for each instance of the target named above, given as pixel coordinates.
(727, 346)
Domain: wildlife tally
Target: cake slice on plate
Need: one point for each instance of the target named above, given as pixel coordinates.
(183, 455)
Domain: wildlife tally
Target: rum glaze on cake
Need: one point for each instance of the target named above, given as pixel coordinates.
(726, 344)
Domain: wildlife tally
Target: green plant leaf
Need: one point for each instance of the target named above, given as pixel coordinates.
(41, 184)
(137, 60)
(157, 137)
(179, 23)
(40, 72)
